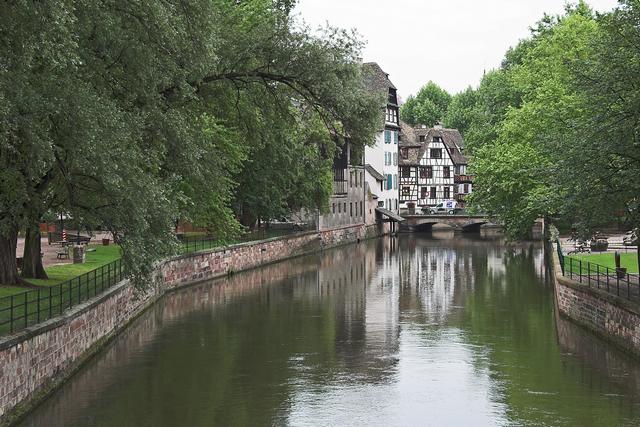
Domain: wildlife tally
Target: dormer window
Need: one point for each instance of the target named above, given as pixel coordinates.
(437, 139)
(422, 138)
(392, 115)
(393, 98)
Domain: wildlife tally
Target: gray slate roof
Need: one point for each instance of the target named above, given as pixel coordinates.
(375, 79)
(374, 173)
(451, 137)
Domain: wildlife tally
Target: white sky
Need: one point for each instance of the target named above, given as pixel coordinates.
(450, 42)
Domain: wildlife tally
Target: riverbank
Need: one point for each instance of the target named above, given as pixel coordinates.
(40, 358)
(611, 317)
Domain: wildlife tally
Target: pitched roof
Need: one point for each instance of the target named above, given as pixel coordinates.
(451, 137)
(374, 173)
(408, 136)
(375, 79)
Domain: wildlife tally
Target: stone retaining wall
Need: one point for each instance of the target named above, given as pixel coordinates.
(36, 360)
(613, 318)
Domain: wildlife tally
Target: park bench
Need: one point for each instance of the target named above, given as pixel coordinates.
(64, 253)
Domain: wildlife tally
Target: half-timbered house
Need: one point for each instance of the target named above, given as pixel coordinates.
(432, 166)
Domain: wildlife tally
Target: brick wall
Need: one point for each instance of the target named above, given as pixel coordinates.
(36, 360)
(614, 319)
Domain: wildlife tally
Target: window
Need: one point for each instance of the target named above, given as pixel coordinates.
(436, 153)
(350, 179)
(396, 204)
(437, 139)
(344, 207)
(404, 153)
(387, 137)
(392, 115)
(395, 159)
(351, 209)
(423, 192)
(446, 172)
(406, 191)
(395, 137)
(339, 211)
(447, 192)
(334, 208)
(426, 172)
(432, 192)
(389, 182)
(387, 158)
(393, 98)
(422, 138)
(361, 208)
(405, 172)
(395, 181)
(466, 188)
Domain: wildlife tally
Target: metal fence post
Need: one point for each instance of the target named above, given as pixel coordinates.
(38, 306)
(26, 312)
(580, 267)
(11, 316)
(571, 268)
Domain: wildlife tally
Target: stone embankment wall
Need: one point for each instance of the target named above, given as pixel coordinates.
(613, 318)
(36, 360)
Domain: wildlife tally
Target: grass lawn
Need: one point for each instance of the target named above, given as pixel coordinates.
(94, 259)
(60, 273)
(607, 259)
(6, 291)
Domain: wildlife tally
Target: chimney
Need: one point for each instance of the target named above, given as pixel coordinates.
(437, 126)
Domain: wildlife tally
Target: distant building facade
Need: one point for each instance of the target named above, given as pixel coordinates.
(432, 167)
(381, 159)
(347, 204)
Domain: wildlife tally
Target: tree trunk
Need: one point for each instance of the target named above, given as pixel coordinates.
(8, 266)
(32, 267)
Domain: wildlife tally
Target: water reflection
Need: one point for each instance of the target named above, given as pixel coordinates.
(415, 330)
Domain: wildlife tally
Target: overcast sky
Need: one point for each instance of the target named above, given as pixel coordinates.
(450, 42)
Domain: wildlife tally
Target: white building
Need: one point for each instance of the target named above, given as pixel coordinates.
(432, 167)
(381, 159)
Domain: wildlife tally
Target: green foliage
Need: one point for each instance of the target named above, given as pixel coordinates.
(428, 107)
(131, 115)
(460, 113)
(557, 129)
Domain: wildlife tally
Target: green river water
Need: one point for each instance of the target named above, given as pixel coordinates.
(437, 330)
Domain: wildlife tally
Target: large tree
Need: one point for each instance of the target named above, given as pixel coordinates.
(428, 107)
(131, 115)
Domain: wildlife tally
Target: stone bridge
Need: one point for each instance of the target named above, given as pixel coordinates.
(465, 223)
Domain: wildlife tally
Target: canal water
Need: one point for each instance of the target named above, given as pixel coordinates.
(415, 330)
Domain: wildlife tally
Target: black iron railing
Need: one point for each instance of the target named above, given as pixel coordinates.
(612, 280)
(31, 307)
(28, 308)
(199, 243)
